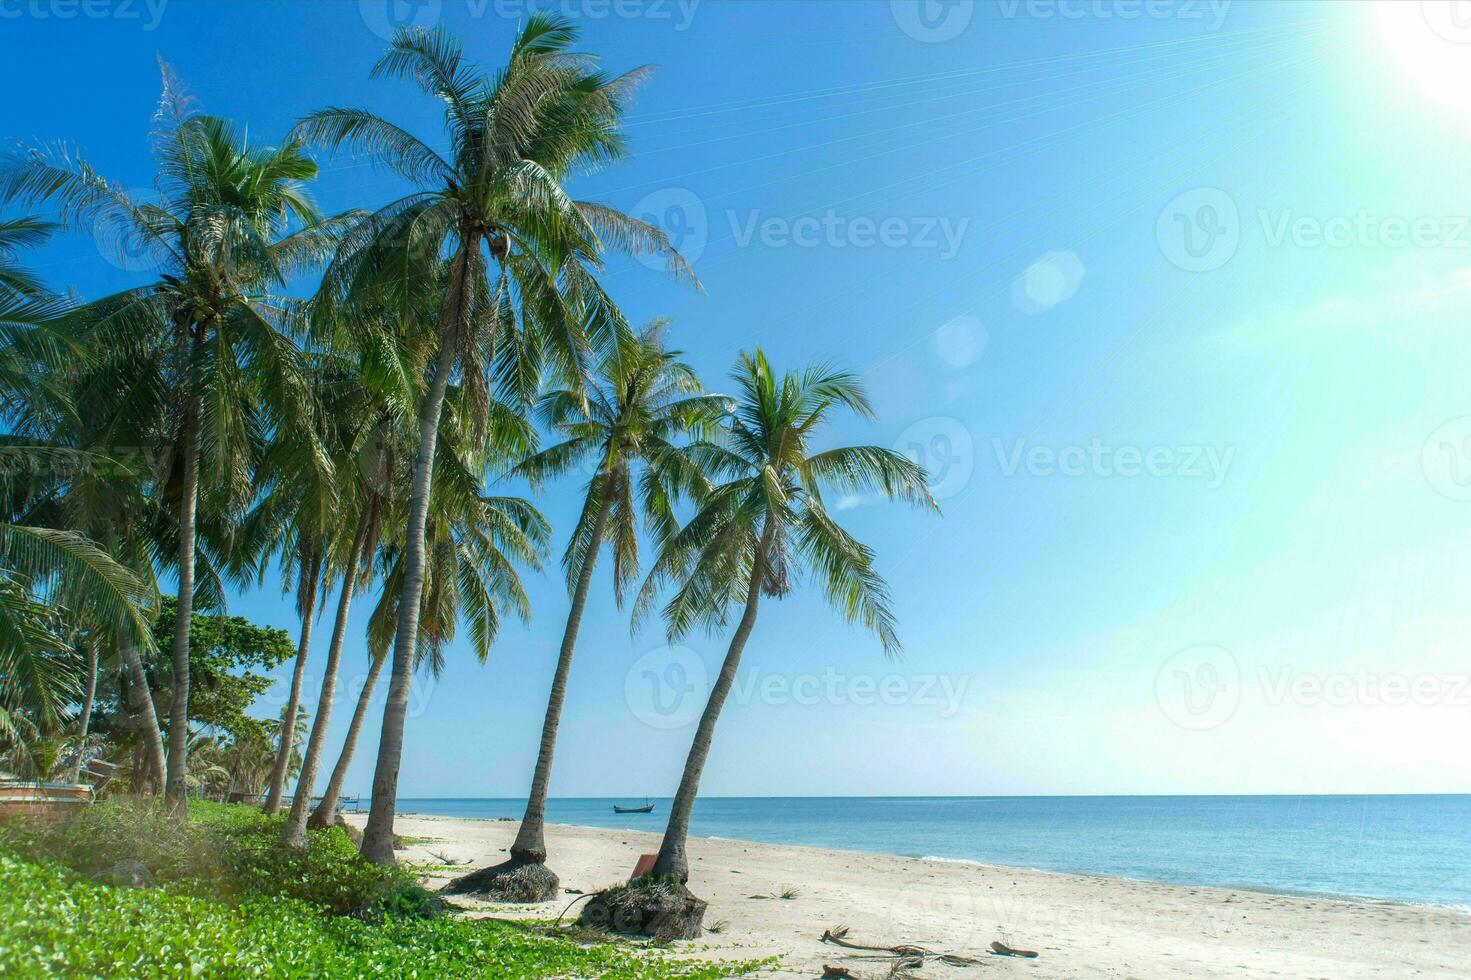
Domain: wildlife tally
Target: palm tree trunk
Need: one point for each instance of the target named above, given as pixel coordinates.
(176, 790)
(326, 811)
(87, 699)
(293, 834)
(150, 736)
(378, 833)
(530, 845)
(672, 861)
(311, 570)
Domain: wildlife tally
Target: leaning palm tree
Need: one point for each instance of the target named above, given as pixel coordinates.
(756, 530)
(644, 401)
(514, 140)
(474, 544)
(202, 342)
(367, 437)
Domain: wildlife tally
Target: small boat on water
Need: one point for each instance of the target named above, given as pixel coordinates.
(646, 808)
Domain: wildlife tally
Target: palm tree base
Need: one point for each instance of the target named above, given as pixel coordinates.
(511, 881)
(659, 907)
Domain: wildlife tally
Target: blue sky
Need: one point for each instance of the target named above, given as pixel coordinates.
(1170, 296)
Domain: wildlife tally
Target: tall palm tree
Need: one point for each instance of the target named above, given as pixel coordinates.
(202, 341)
(474, 542)
(643, 401)
(763, 524)
(45, 560)
(297, 520)
(514, 139)
(363, 436)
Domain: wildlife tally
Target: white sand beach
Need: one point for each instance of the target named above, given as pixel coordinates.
(1081, 925)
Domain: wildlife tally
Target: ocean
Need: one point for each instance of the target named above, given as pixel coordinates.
(1403, 848)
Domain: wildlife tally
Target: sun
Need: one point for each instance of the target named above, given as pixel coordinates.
(1431, 40)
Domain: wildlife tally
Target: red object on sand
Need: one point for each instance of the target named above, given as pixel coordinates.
(644, 867)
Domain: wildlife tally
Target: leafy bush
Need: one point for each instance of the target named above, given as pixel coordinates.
(225, 850)
(328, 874)
(52, 923)
(118, 842)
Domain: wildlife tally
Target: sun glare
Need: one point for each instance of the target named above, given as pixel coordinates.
(1431, 40)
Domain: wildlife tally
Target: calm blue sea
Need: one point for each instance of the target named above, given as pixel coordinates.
(1405, 848)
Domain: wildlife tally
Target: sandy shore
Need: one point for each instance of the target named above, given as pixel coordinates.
(1082, 925)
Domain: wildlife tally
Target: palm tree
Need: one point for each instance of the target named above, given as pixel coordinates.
(325, 813)
(473, 542)
(644, 399)
(42, 562)
(758, 528)
(297, 519)
(202, 342)
(514, 140)
(363, 428)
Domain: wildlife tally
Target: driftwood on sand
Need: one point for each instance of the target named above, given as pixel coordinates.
(903, 956)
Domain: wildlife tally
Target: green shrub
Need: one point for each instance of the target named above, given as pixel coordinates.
(52, 923)
(119, 842)
(328, 874)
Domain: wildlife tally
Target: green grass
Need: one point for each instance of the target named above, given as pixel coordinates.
(227, 903)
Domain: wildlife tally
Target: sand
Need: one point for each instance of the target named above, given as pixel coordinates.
(1082, 925)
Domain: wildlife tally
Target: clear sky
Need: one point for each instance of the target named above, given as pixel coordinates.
(1171, 296)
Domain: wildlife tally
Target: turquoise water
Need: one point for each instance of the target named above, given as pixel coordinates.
(1404, 848)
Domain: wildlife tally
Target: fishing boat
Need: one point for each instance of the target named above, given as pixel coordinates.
(646, 808)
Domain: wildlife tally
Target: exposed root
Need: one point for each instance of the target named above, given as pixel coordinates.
(659, 907)
(510, 881)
